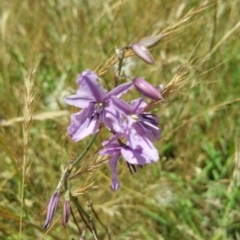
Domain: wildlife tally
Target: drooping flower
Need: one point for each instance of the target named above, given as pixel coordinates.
(93, 98)
(52, 206)
(138, 150)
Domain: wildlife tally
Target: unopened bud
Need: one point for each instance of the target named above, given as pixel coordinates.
(52, 206)
(142, 52)
(66, 213)
(147, 89)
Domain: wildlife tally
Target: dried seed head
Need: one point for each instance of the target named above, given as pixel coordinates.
(142, 52)
(147, 89)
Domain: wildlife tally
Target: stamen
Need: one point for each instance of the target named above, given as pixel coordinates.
(131, 166)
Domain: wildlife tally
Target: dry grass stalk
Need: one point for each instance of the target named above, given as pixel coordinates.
(37, 117)
(30, 95)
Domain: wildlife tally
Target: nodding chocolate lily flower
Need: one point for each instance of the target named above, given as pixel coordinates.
(142, 52)
(147, 89)
(93, 98)
(52, 206)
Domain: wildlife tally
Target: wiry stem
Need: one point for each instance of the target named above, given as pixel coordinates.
(90, 204)
(89, 224)
(71, 165)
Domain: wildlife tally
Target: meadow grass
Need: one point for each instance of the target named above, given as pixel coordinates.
(193, 191)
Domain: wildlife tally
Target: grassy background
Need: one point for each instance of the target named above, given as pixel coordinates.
(193, 191)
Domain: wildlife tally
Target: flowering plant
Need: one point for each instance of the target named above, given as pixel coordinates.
(131, 125)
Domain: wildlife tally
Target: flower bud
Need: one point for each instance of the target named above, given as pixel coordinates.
(66, 213)
(52, 206)
(147, 89)
(142, 52)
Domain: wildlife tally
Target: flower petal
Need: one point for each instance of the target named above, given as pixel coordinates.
(119, 90)
(113, 164)
(110, 148)
(90, 90)
(138, 105)
(133, 156)
(119, 105)
(114, 115)
(83, 124)
(79, 100)
(142, 145)
(89, 85)
(139, 155)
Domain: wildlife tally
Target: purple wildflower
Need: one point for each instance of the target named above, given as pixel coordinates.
(138, 150)
(52, 206)
(144, 123)
(93, 98)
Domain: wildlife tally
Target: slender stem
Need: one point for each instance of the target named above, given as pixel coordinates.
(77, 160)
(99, 220)
(120, 55)
(94, 235)
(75, 221)
(83, 214)
(71, 165)
(62, 179)
(120, 62)
(74, 200)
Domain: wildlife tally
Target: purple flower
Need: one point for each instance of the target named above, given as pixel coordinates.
(138, 150)
(144, 123)
(93, 98)
(52, 206)
(113, 164)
